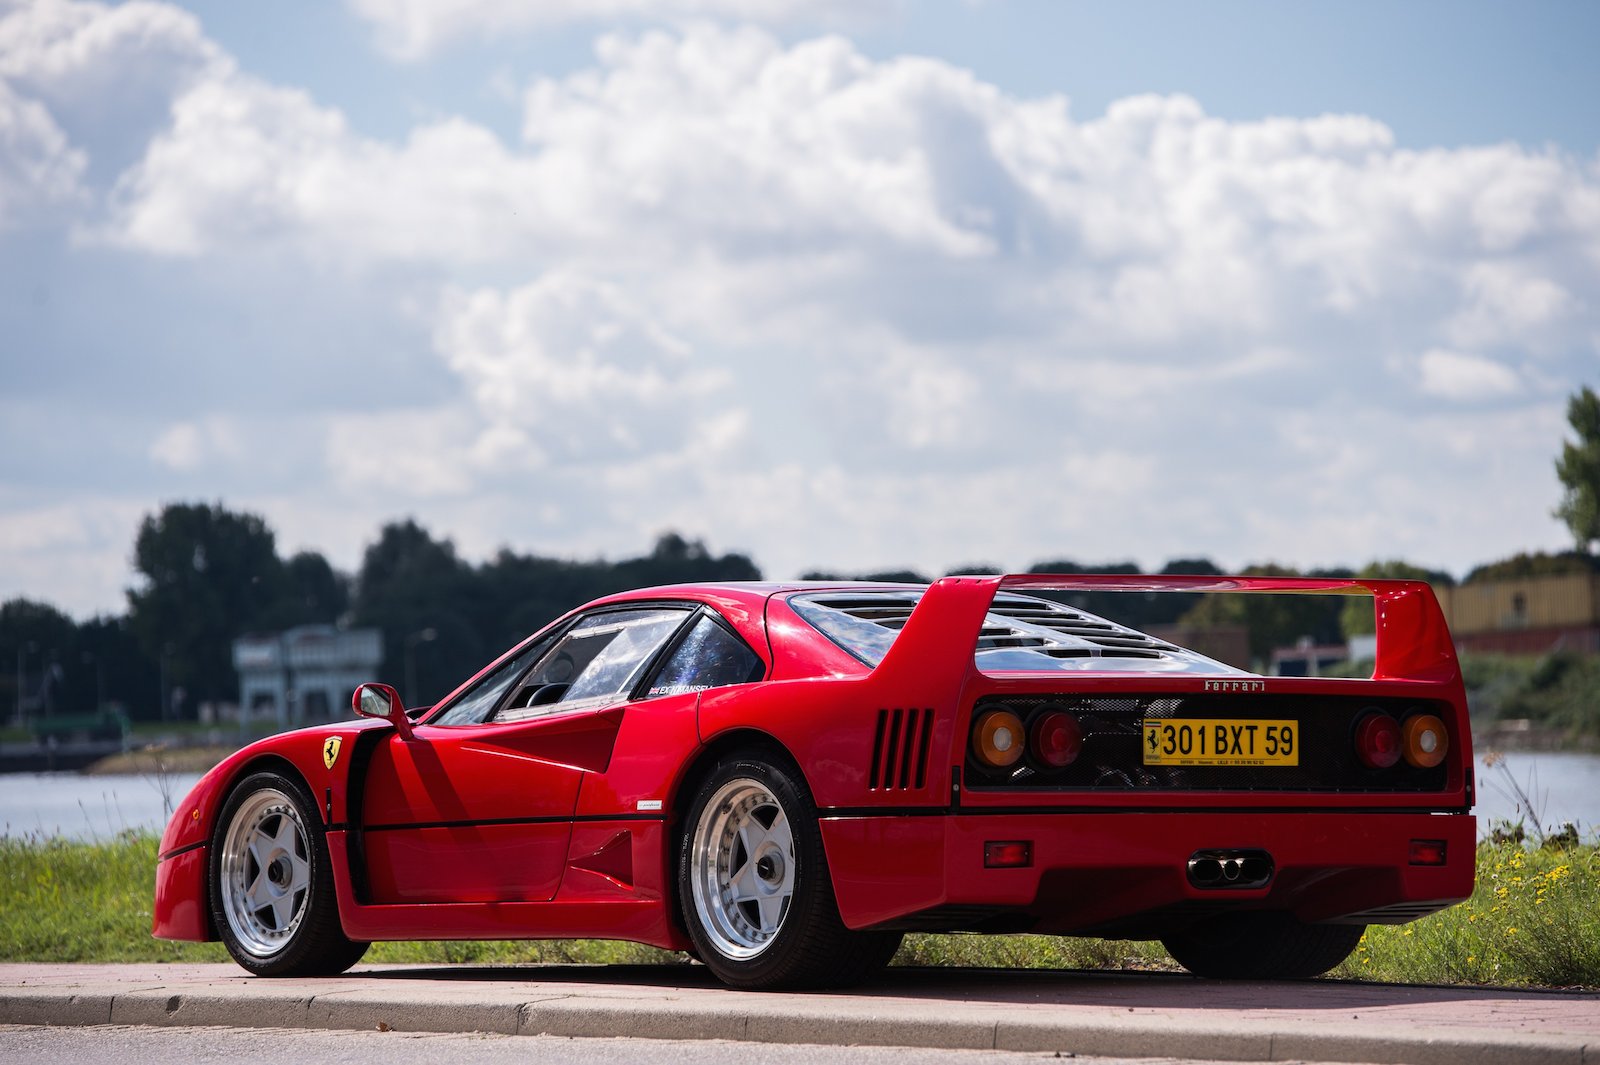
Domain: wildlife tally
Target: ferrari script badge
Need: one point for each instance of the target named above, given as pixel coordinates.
(330, 751)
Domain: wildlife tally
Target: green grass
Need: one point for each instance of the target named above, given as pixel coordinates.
(1533, 921)
(62, 900)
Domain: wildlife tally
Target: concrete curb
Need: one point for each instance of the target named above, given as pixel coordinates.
(511, 1006)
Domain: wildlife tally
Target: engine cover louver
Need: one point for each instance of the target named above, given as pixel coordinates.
(900, 749)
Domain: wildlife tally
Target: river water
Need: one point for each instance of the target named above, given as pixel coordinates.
(1555, 788)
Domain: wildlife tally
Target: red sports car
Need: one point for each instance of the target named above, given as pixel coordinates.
(784, 778)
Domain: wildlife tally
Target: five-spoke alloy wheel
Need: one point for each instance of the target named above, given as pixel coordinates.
(742, 868)
(271, 893)
(754, 885)
(265, 872)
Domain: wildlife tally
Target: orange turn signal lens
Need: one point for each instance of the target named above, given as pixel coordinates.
(1425, 741)
(998, 739)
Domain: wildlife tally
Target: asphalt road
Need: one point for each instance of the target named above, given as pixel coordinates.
(120, 1044)
(1083, 1014)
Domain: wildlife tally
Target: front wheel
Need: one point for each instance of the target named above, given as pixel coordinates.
(1262, 946)
(754, 885)
(272, 893)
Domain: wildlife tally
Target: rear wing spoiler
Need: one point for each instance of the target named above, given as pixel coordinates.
(1413, 640)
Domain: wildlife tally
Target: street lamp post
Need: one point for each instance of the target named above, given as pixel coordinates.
(427, 635)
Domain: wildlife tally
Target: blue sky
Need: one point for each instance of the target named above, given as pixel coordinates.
(840, 284)
(1437, 72)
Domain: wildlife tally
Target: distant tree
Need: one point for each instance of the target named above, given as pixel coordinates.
(887, 576)
(409, 584)
(209, 574)
(43, 642)
(1275, 620)
(112, 667)
(1579, 470)
(1534, 564)
(313, 591)
(675, 560)
(1357, 617)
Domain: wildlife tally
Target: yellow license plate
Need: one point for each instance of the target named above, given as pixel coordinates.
(1193, 741)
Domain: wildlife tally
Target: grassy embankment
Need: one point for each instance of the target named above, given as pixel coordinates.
(1533, 921)
(1553, 695)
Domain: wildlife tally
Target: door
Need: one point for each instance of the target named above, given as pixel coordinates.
(477, 805)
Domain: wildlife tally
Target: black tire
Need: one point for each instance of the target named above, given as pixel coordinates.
(279, 918)
(766, 920)
(1262, 946)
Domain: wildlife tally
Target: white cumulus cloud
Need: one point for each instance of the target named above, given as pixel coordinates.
(1456, 376)
(412, 29)
(784, 295)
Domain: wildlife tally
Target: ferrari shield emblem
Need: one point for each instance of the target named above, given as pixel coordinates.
(330, 751)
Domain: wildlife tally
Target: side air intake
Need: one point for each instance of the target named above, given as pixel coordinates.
(900, 749)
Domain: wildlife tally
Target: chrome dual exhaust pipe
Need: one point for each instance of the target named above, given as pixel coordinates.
(1235, 869)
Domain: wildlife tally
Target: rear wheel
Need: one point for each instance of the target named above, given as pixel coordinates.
(754, 885)
(271, 888)
(1262, 946)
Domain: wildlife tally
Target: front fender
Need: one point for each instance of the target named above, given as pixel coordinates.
(181, 909)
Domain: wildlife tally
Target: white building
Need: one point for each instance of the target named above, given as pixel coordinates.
(307, 674)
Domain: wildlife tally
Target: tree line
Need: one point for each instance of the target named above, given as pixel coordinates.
(208, 574)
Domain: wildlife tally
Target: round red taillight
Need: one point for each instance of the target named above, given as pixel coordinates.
(1424, 740)
(1056, 738)
(1378, 741)
(997, 738)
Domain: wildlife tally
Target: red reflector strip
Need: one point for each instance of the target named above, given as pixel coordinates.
(1008, 854)
(1427, 852)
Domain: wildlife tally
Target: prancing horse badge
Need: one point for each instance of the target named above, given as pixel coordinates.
(330, 751)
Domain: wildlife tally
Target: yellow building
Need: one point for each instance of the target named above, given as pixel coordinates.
(1525, 615)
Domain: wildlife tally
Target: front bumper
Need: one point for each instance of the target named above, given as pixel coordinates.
(1126, 873)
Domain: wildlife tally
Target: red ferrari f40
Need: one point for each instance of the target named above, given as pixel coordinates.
(783, 779)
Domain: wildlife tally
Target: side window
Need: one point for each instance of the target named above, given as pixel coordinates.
(709, 657)
(474, 705)
(597, 661)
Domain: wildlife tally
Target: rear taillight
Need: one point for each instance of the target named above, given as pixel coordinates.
(998, 738)
(1056, 738)
(1424, 741)
(1378, 740)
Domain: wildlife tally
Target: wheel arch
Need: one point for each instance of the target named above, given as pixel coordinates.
(265, 762)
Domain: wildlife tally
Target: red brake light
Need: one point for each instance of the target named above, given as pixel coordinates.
(1056, 738)
(1378, 741)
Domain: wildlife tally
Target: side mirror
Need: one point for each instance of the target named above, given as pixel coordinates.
(382, 702)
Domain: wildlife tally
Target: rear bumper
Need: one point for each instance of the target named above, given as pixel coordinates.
(1127, 873)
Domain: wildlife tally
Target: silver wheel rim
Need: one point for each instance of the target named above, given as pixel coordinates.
(742, 869)
(265, 872)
